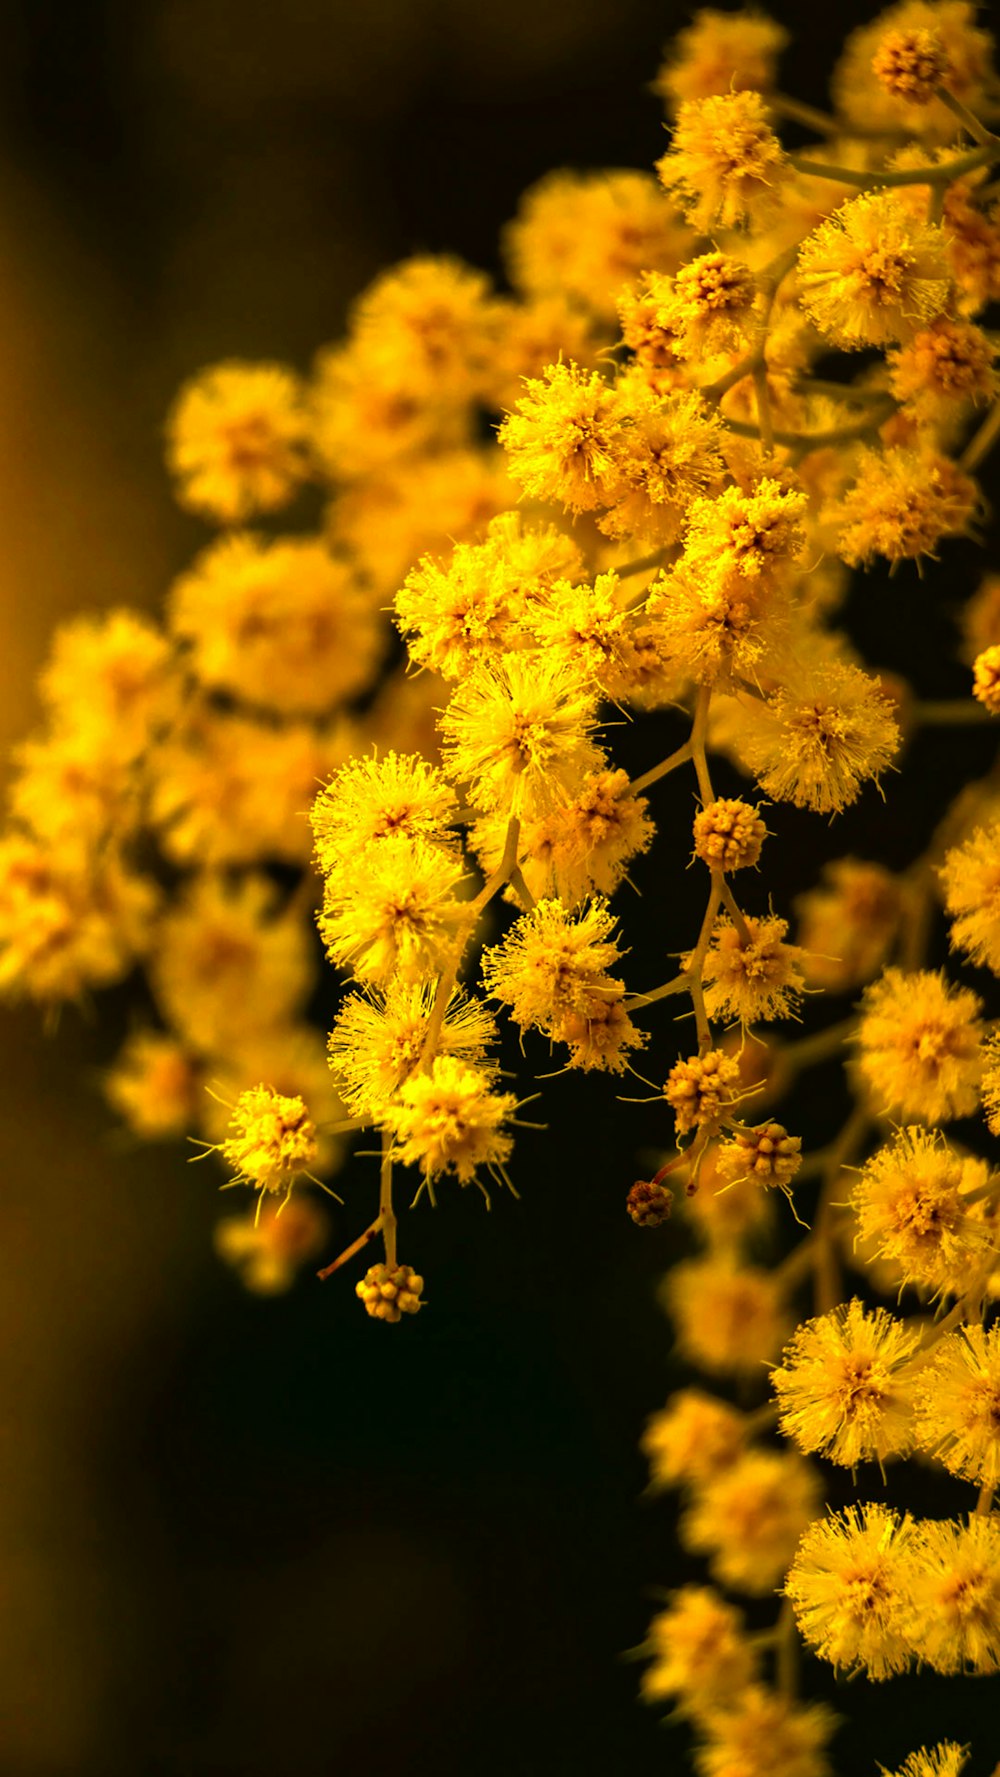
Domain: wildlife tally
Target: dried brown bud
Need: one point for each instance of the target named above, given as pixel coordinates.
(649, 1205)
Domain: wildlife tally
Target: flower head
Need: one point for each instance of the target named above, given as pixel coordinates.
(919, 1041)
(910, 1200)
(839, 1385)
(518, 732)
(449, 1119)
(724, 162)
(958, 1404)
(871, 274)
(756, 978)
(236, 440)
(851, 1585)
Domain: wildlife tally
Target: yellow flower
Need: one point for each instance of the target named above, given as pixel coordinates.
(564, 438)
(947, 1759)
(699, 1651)
(748, 1520)
(901, 504)
(919, 1043)
(269, 1246)
(986, 686)
(871, 103)
(991, 1080)
(236, 440)
(911, 64)
(395, 913)
(941, 367)
(449, 1119)
(754, 981)
(694, 1437)
(584, 235)
(378, 1039)
(580, 848)
(759, 1733)
(473, 606)
(819, 737)
(841, 1388)
(281, 624)
(756, 534)
(716, 628)
(518, 733)
(552, 970)
(68, 923)
(725, 163)
(433, 319)
(228, 963)
(370, 800)
(848, 923)
(155, 1085)
(871, 273)
(765, 1155)
(851, 1588)
(271, 1140)
(970, 876)
(109, 682)
(708, 307)
(367, 416)
(910, 1201)
(720, 52)
(955, 1622)
(668, 453)
(730, 1317)
(958, 1404)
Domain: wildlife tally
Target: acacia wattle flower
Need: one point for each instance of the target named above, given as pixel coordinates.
(871, 274)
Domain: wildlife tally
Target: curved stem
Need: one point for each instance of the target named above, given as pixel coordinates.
(939, 175)
(386, 1213)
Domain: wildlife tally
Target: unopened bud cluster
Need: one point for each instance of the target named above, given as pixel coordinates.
(728, 834)
(699, 1087)
(390, 1291)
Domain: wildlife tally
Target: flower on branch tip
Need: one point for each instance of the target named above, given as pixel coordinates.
(754, 979)
(449, 1119)
(919, 1045)
(390, 1291)
(841, 1385)
(271, 1140)
(725, 164)
(851, 1587)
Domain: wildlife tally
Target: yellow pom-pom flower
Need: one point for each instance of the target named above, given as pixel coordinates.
(271, 1140)
(518, 733)
(955, 1619)
(725, 164)
(841, 1385)
(449, 1119)
(919, 1046)
(753, 981)
(871, 274)
(958, 1404)
(749, 1519)
(236, 440)
(911, 1201)
(851, 1589)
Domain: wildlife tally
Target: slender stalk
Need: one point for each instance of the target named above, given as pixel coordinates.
(804, 442)
(786, 1660)
(969, 121)
(449, 976)
(680, 757)
(982, 442)
(349, 1251)
(698, 733)
(733, 908)
(386, 1213)
(949, 713)
(939, 175)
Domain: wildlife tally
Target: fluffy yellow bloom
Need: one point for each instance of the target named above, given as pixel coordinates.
(669, 452)
(585, 235)
(701, 1088)
(841, 1385)
(579, 849)
(109, 682)
(991, 1080)
(730, 1318)
(228, 789)
(72, 788)
(281, 624)
(947, 1759)
(237, 440)
(871, 274)
(155, 1085)
(367, 418)
(720, 52)
(970, 876)
(848, 923)
(694, 1437)
(449, 1119)
(564, 438)
(395, 913)
(851, 1588)
(378, 1039)
(756, 981)
(269, 1247)
(819, 737)
(717, 628)
(471, 607)
(958, 1404)
(955, 1623)
(271, 1140)
(433, 318)
(228, 963)
(759, 1733)
(728, 834)
(910, 1201)
(756, 534)
(374, 799)
(68, 923)
(699, 1651)
(748, 1520)
(552, 970)
(941, 367)
(901, 504)
(518, 733)
(291, 1057)
(919, 1042)
(708, 307)
(390, 1291)
(725, 163)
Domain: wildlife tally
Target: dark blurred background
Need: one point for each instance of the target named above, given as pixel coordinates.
(241, 1536)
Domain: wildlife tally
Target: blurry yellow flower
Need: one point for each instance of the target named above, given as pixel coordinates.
(236, 440)
(730, 1317)
(585, 235)
(919, 1046)
(955, 1623)
(155, 1085)
(268, 1248)
(900, 506)
(694, 1437)
(699, 1651)
(871, 273)
(760, 1733)
(749, 1519)
(970, 877)
(720, 52)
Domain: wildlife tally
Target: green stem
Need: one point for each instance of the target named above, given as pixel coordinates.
(939, 175)
(982, 442)
(680, 757)
(966, 118)
(949, 713)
